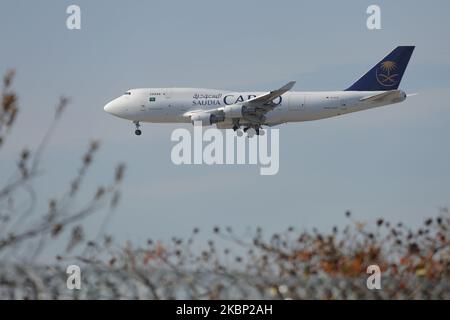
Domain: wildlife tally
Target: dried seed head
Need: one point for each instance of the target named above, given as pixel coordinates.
(8, 78)
(119, 172)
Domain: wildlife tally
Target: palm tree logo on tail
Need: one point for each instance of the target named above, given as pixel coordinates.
(386, 75)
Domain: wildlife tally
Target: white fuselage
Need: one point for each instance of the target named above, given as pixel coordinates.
(172, 105)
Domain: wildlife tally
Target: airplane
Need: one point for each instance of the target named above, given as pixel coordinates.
(252, 110)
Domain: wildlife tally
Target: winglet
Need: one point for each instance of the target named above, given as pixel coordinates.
(288, 86)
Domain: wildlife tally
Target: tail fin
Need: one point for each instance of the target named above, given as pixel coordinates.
(387, 74)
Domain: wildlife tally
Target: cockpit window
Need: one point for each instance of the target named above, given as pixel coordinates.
(127, 93)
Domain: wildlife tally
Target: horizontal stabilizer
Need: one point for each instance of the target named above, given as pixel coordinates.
(394, 95)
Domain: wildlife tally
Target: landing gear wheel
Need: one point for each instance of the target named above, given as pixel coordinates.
(137, 132)
(262, 132)
(239, 133)
(250, 132)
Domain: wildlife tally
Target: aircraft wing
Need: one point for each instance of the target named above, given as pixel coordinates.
(257, 107)
(267, 98)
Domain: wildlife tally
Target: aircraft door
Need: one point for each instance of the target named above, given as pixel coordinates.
(168, 101)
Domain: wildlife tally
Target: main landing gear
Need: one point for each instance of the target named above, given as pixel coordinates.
(250, 130)
(137, 132)
(238, 131)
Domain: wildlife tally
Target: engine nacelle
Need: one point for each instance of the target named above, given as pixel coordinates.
(233, 111)
(207, 119)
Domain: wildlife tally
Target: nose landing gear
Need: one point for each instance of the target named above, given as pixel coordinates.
(137, 132)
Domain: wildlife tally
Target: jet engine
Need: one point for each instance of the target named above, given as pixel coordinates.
(207, 119)
(234, 111)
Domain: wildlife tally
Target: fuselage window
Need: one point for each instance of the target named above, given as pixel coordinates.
(152, 99)
(127, 93)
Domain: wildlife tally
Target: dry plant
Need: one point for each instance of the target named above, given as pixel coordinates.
(23, 231)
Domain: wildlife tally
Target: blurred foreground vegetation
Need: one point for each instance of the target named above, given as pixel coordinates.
(292, 264)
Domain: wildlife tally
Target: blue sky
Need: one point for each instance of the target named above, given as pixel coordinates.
(391, 161)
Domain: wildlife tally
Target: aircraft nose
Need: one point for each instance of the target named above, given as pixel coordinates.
(108, 107)
(113, 107)
(116, 108)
